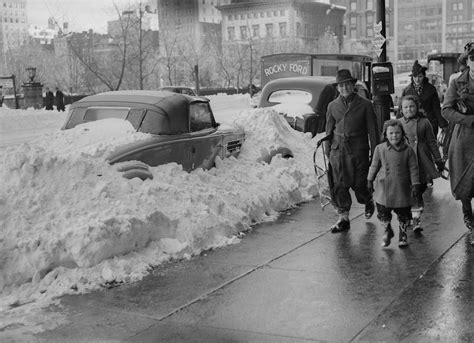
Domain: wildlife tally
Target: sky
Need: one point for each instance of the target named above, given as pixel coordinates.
(70, 223)
(80, 14)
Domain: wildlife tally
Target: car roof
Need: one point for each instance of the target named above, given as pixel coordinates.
(313, 84)
(172, 105)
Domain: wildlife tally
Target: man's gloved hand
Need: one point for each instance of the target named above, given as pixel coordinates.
(440, 166)
(370, 186)
(415, 190)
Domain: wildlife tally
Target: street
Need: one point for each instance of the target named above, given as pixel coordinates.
(294, 281)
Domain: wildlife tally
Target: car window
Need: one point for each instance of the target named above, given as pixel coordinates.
(135, 117)
(289, 96)
(98, 113)
(76, 118)
(188, 92)
(155, 123)
(200, 116)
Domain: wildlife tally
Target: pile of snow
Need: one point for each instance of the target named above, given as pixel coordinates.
(69, 223)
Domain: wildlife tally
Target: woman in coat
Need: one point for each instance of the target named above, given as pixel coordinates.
(428, 96)
(458, 108)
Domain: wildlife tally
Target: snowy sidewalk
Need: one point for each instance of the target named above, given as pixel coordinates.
(294, 281)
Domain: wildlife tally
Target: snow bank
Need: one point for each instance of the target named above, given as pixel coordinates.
(70, 223)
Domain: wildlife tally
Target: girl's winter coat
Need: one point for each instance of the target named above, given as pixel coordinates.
(394, 170)
(425, 146)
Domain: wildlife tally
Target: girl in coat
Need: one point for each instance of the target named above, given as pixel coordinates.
(394, 180)
(421, 138)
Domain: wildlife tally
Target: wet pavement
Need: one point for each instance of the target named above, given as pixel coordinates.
(294, 281)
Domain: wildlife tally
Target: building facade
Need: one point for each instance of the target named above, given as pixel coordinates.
(281, 22)
(14, 24)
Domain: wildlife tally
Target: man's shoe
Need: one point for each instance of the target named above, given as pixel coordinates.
(369, 209)
(341, 225)
(469, 222)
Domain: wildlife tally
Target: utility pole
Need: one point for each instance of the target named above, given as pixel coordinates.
(140, 38)
(381, 102)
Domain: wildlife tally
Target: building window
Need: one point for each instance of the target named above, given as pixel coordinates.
(275, 13)
(269, 14)
(230, 33)
(256, 30)
(460, 6)
(262, 14)
(353, 34)
(269, 30)
(455, 7)
(353, 21)
(298, 29)
(370, 4)
(283, 30)
(370, 19)
(243, 32)
(353, 5)
(282, 13)
(255, 15)
(230, 18)
(370, 32)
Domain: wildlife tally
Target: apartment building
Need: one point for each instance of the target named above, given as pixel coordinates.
(280, 22)
(14, 24)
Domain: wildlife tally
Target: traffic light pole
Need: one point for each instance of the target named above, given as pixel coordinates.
(381, 102)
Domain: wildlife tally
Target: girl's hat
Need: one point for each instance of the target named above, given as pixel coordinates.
(469, 48)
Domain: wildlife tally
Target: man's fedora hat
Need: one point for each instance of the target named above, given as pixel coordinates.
(417, 69)
(344, 75)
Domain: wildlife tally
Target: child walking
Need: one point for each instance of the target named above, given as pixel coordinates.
(394, 180)
(421, 138)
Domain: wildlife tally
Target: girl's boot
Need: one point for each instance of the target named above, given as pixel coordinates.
(388, 234)
(402, 234)
(416, 215)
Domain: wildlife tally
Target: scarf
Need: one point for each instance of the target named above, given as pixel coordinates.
(418, 88)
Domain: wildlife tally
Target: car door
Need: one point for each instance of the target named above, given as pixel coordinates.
(205, 140)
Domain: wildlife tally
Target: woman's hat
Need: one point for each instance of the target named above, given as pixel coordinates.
(417, 69)
(344, 75)
(469, 48)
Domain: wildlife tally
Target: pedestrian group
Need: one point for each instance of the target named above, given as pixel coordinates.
(392, 175)
(50, 99)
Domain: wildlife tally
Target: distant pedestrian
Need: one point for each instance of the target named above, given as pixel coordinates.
(421, 138)
(427, 95)
(49, 99)
(351, 124)
(458, 108)
(393, 178)
(60, 100)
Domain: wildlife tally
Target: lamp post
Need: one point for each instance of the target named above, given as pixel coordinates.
(33, 91)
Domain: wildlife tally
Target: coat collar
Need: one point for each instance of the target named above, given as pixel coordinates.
(402, 146)
(464, 77)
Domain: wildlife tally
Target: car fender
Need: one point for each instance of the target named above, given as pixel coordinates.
(132, 169)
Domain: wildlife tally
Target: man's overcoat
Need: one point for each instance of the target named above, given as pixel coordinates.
(352, 127)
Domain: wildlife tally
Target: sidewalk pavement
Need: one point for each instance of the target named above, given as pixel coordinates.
(294, 281)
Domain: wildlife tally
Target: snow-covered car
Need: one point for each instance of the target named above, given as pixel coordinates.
(296, 99)
(182, 129)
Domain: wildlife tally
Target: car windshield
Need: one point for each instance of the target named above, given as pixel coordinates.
(290, 96)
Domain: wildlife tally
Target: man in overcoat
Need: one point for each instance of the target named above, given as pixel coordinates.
(427, 95)
(352, 124)
(458, 109)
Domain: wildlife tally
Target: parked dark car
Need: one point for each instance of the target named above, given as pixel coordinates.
(179, 89)
(182, 128)
(297, 90)
(314, 91)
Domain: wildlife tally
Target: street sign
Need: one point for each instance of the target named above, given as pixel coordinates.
(378, 41)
